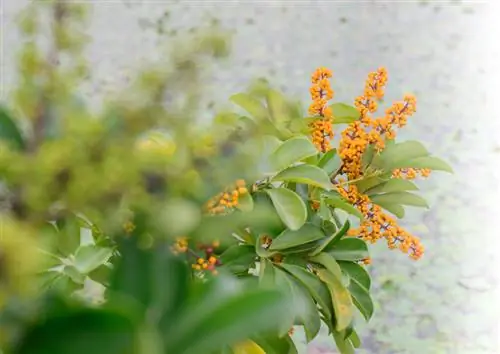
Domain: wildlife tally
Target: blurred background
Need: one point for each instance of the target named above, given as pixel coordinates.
(445, 52)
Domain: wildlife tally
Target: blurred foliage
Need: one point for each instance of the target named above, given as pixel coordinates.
(136, 230)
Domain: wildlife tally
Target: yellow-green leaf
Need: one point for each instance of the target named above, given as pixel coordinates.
(402, 198)
(344, 113)
(307, 174)
(430, 162)
(291, 151)
(251, 105)
(392, 185)
(341, 298)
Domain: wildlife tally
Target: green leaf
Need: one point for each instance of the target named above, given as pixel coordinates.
(370, 182)
(368, 156)
(324, 211)
(74, 274)
(307, 174)
(430, 162)
(344, 345)
(394, 154)
(330, 241)
(278, 108)
(354, 338)
(70, 331)
(349, 249)
(344, 113)
(292, 238)
(251, 105)
(68, 237)
(403, 198)
(274, 344)
(90, 257)
(334, 200)
(212, 323)
(330, 162)
(307, 313)
(397, 209)
(245, 202)
(342, 301)
(356, 272)
(238, 258)
(392, 185)
(291, 151)
(361, 298)
(101, 274)
(316, 287)
(327, 261)
(9, 132)
(289, 206)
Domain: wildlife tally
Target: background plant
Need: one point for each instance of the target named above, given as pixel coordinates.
(132, 210)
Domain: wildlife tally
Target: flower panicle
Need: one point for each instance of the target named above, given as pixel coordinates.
(321, 92)
(227, 200)
(378, 225)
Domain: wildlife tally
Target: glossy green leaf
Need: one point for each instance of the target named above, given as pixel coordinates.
(289, 206)
(392, 185)
(336, 201)
(355, 340)
(370, 182)
(356, 272)
(330, 162)
(238, 257)
(324, 211)
(349, 249)
(69, 332)
(343, 345)
(306, 174)
(330, 263)
(344, 113)
(292, 238)
(9, 132)
(398, 152)
(397, 209)
(430, 162)
(361, 299)
(368, 156)
(90, 257)
(330, 241)
(342, 301)
(307, 314)
(291, 151)
(316, 287)
(251, 105)
(403, 198)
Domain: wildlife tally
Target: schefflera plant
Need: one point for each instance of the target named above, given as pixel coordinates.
(327, 203)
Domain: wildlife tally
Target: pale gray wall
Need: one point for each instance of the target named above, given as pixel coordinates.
(446, 52)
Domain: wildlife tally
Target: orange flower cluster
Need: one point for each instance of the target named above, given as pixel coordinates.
(206, 264)
(377, 224)
(209, 261)
(228, 199)
(411, 173)
(367, 130)
(180, 245)
(321, 93)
